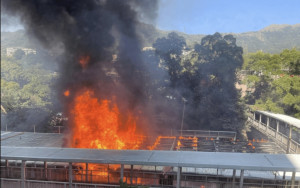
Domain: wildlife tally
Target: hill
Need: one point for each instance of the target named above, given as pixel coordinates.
(272, 39)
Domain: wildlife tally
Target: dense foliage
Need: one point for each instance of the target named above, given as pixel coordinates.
(204, 78)
(275, 79)
(26, 95)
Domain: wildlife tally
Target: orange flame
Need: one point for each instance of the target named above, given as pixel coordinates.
(157, 141)
(98, 124)
(178, 144)
(83, 61)
(67, 93)
(261, 140)
(194, 140)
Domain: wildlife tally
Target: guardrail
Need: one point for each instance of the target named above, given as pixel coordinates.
(206, 133)
(13, 183)
(277, 136)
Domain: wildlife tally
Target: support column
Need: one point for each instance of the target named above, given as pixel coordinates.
(86, 172)
(70, 175)
(131, 171)
(233, 178)
(293, 179)
(289, 141)
(242, 178)
(108, 173)
(23, 174)
(267, 126)
(259, 118)
(45, 169)
(122, 172)
(277, 128)
(178, 177)
(7, 168)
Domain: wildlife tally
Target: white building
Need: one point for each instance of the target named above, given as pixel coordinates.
(10, 51)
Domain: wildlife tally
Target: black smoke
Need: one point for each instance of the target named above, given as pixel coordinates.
(202, 80)
(103, 30)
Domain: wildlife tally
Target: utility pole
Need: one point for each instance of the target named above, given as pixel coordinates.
(184, 101)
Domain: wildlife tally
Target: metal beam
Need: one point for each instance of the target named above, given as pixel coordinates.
(122, 172)
(7, 165)
(293, 180)
(277, 128)
(23, 173)
(131, 171)
(242, 179)
(289, 141)
(178, 177)
(233, 177)
(259, 118)
(70, 175)
(108, 173)
(268, 123)
(45, 169)
(86, 172)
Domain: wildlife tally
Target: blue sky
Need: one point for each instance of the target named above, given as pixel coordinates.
(210, 16)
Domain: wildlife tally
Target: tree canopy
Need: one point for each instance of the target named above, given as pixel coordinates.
(205, 77)
(25, 91)
(276, 81)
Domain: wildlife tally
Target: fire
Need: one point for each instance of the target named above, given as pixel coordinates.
(178, 144)
(67, 93)
(261, 140)
(251, 145)
(157, 141)
(193, 139)
(98, 124)
(83, 61)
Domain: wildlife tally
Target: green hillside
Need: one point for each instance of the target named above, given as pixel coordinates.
(272, 39)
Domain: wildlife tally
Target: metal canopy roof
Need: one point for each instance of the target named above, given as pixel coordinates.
(220, 160)
(287, 119)
(30, 139)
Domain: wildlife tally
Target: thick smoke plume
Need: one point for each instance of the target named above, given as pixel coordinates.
(101, 34)
(203, 81)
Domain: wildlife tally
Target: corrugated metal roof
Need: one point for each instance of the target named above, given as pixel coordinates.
(287, 119)
(31, 139)
(220, 160)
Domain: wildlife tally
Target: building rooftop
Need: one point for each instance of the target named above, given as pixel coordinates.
(31, 139)
(219, 160)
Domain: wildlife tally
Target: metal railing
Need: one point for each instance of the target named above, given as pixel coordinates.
(16, 183)
(206, 133)
(277, 136)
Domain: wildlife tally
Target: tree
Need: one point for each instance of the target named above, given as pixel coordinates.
(217, 98)
(169, 50)
(205, 76)
(275, 80)
(25, 93)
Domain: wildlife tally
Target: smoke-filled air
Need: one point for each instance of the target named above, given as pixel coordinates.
(114, 89)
